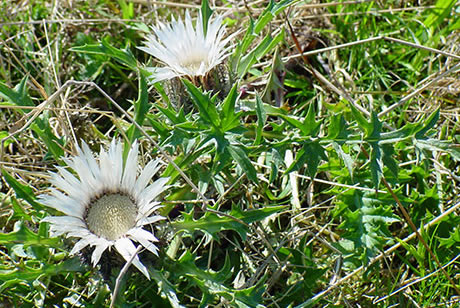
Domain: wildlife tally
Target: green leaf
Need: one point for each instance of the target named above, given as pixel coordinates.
(338, 129)
(261, 119)
(346, 158)
(376, 164)
(22, 191)
(240, 156)
(453, 239)
(365, 223)
(55, 145)
(123, 56)
(267, 44)
(206, 13)
(429, 124)
(310, 125)
(18, 96)
(361, 120)
(311, 154)
(141, 108)
(388, 159)
(206, 106)
(230, 119)
(274, 90)
(166, 288)
(22, 235)
(29, 274)
(211, 223)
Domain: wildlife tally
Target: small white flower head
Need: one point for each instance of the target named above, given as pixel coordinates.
(184, 50)
(106, 204)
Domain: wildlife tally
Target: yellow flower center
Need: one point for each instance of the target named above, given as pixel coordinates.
(111, 216)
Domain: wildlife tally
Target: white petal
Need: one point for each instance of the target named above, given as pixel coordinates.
(79, 245)
(101, 246)
(153, 190)
(145, 238)
(62, 203)
(130, 170)
(148, 208)
(149, 220)
(149, 171)
(127, 249)
(65, 221)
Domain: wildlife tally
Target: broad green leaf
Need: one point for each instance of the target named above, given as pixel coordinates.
(240, 156)
(22, 191)
(365, 223)
(211, 223)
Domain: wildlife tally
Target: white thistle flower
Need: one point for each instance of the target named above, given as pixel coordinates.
(184, 50)
(106, 205)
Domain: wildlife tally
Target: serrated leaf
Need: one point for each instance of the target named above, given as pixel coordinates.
(22, 191)
(206, 106)
(230, 119)
(275, 82)
(29, 274)
(365, 223)
(240, 156)
(311, 126)
(338, 129)
(429, 124)
(361, 120)
(376, 164)
(347, 160)
(18, 96)
(388, 159)
(211, 223)
(311, 154)
(166, 288)
(22, 235)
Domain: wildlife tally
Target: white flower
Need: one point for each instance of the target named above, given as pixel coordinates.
(106, 205)
(184, 50)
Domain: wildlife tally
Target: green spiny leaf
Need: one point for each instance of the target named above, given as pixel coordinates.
(211, 223)
(22, 191)
(240, 156)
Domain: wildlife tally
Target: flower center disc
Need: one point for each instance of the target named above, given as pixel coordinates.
(111, 216)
